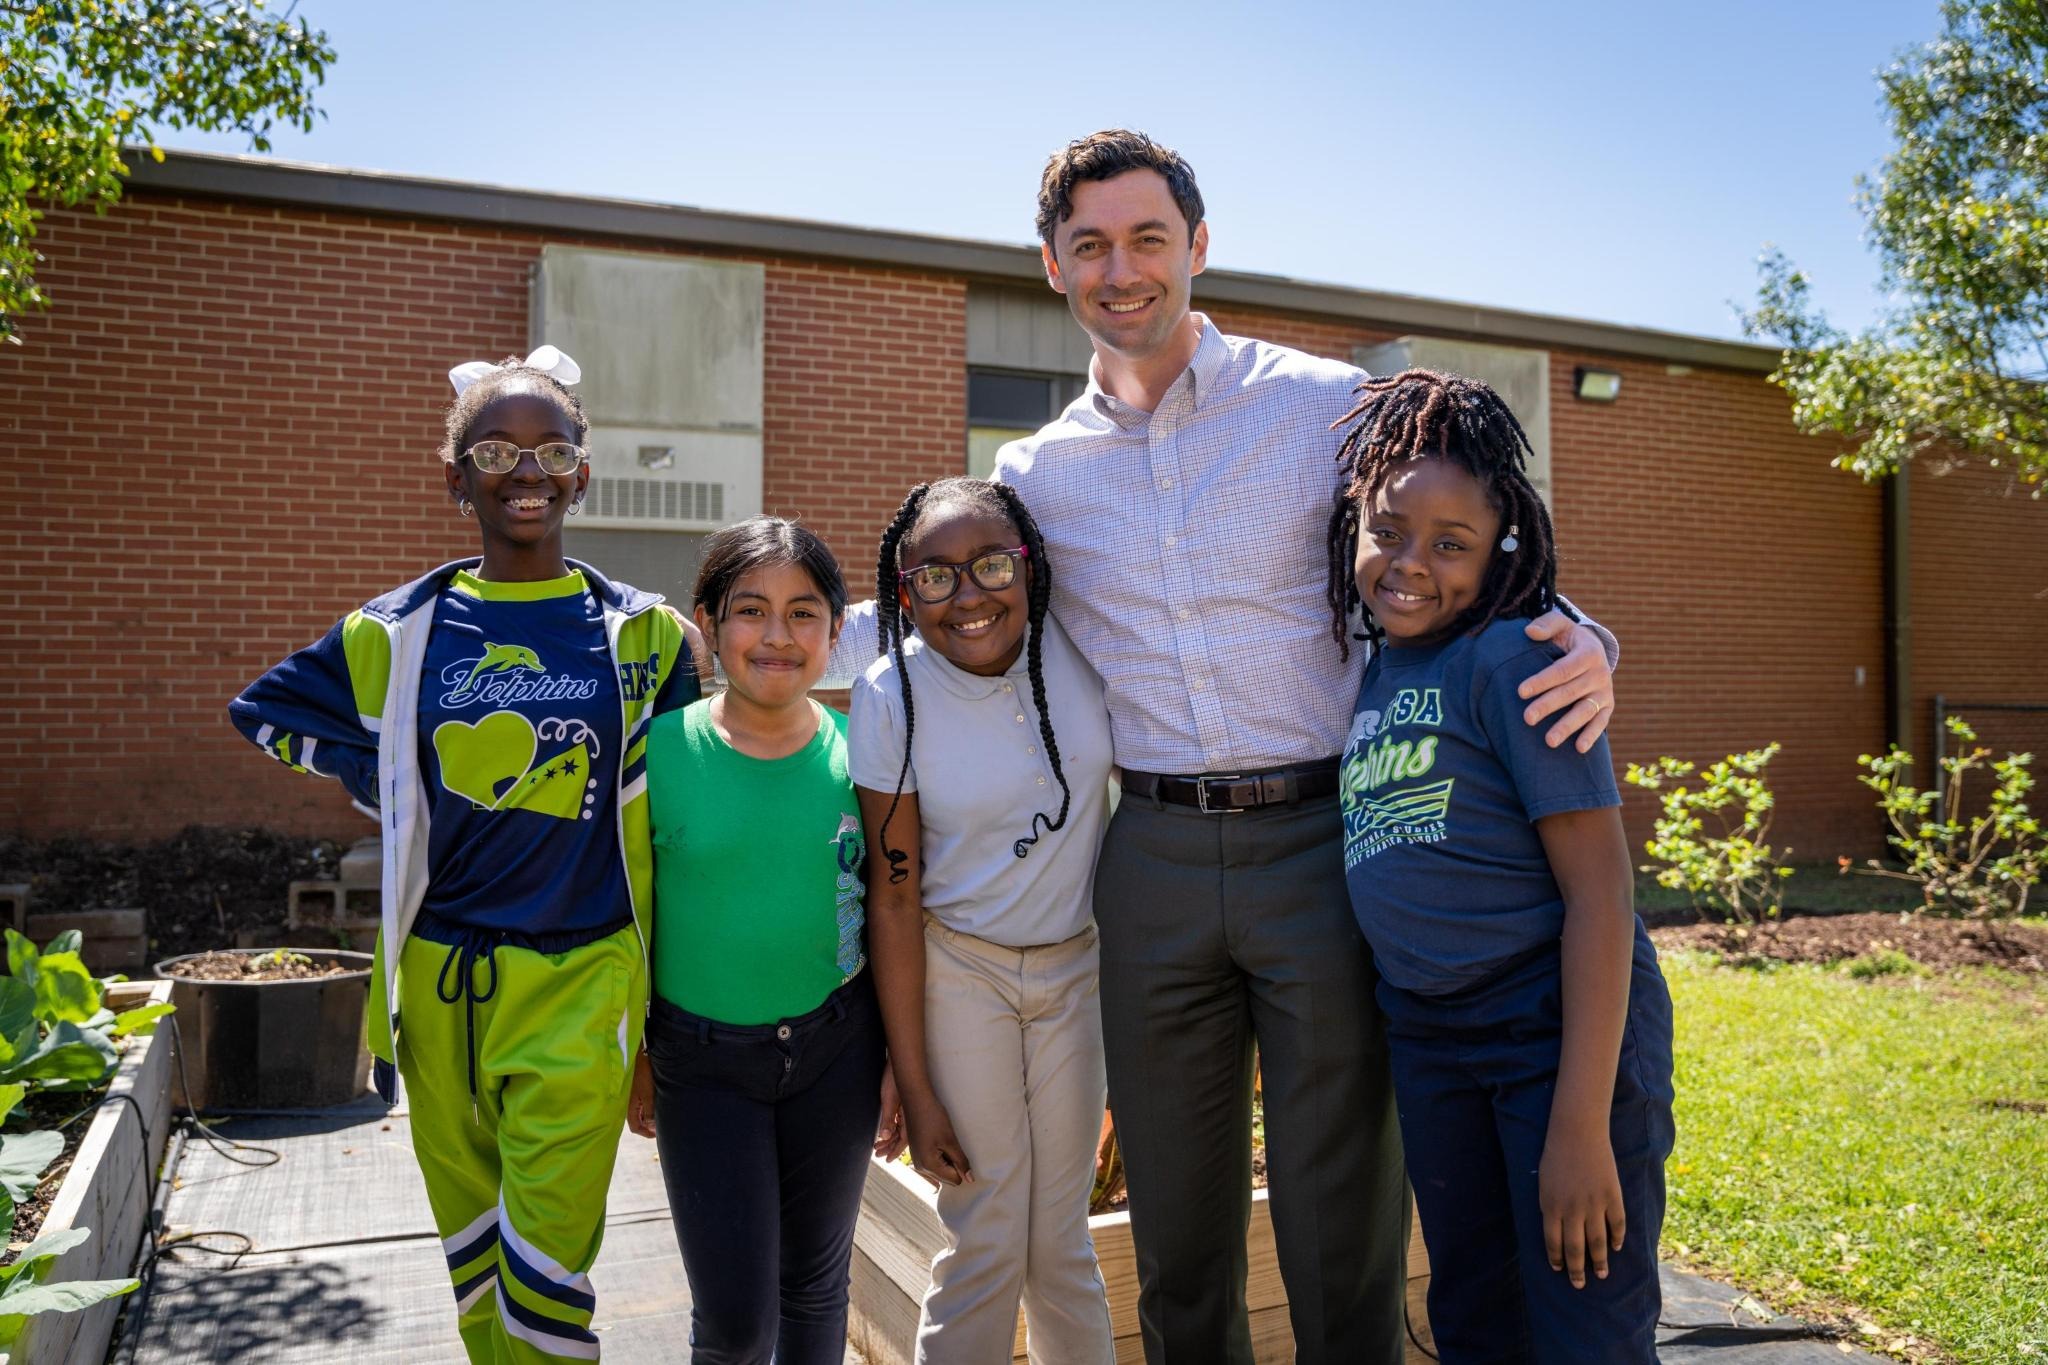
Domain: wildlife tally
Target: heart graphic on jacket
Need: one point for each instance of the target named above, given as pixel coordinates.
(481, 761)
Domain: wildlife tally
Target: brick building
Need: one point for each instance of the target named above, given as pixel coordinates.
(225, 437)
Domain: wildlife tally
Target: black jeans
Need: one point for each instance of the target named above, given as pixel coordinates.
(765, 1135)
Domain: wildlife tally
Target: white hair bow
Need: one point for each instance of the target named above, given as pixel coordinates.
(548, 360)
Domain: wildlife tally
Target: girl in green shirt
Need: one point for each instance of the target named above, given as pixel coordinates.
(762, 1078)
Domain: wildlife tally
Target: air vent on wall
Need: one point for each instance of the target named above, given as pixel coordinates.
(644, 501)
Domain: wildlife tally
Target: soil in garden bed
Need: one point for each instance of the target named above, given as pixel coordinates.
(1926, 939)
(46, 1109)
(287, 966)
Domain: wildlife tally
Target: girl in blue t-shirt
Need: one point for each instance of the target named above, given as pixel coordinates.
(1529, 1027)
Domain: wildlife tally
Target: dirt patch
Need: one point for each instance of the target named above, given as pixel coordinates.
(1926, 939)
(275, 966)
(199, 886)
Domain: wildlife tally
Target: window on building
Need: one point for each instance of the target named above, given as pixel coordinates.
(1003, 405)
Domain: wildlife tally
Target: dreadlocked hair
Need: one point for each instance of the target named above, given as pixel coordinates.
(999, 500)
(1425, 415)
(512, 374)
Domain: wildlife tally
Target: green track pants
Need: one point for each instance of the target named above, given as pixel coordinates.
(518, 1171)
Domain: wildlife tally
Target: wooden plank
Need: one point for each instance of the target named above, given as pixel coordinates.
(108, 1189)
(899, 1227)
(881, 1319)
(899, 1233)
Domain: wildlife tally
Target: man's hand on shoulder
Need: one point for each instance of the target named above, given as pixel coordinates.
(1581, 685)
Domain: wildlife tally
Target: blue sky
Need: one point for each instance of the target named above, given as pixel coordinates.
(1624, 162)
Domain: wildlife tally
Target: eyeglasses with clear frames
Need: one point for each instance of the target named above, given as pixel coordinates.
(991, 572)
(555, 458)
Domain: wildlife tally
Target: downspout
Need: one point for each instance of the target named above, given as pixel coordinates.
(1898, 614)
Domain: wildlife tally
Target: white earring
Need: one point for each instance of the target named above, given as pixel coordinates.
(576, 507)
(1508, 542)
(462, 505)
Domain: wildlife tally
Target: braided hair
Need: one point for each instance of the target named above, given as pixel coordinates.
(512, 374)
(1424, 415)
(999, 500)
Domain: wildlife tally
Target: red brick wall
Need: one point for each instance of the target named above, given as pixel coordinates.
(1980, 621)
(235, 411)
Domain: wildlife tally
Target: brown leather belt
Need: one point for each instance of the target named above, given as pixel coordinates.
(1229, 793)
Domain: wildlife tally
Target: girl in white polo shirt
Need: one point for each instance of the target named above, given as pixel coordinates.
(979, 916)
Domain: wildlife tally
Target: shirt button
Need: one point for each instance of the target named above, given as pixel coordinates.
(1171, 540)
(1020, 720)
(1008, 688)
(782, 1032)
(1185, 613)
(1166, 483)
(1194, 684)
(1041, 782)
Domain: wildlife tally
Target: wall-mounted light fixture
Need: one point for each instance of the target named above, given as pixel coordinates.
(1596, 386)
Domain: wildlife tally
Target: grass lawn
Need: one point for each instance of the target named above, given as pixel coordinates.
(1868, 1147)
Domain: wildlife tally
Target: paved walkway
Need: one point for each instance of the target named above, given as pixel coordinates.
(344, 1264)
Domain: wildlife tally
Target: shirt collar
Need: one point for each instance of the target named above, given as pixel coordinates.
(972, 686)
(1210, 353)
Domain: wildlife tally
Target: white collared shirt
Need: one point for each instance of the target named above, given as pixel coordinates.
(978, 767)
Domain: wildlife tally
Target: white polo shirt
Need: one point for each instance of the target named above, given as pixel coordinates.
(978, 768)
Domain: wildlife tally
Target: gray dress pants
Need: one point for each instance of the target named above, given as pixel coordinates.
(1221, 934)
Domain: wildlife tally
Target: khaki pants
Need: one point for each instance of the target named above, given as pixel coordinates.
(1014, 1039)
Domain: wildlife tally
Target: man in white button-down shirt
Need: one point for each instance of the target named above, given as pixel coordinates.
(1184, 500)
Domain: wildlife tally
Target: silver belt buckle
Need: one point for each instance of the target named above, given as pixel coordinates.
(1202, 793)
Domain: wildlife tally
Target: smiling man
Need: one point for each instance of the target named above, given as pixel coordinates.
(1185, 497)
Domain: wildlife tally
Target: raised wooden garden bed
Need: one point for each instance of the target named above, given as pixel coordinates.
(899, 1233)
(108, 1188)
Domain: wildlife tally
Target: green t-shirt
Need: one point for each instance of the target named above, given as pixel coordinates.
(758, 910)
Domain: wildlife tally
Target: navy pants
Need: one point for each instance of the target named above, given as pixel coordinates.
(1473, 1078)
(765, 1134)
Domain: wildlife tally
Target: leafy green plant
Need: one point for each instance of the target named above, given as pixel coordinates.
(24, 1292)
(56, 1034)
(1884, 962)
(1710, 838)
(79, 79)
(1954, 365)
(1977, 864)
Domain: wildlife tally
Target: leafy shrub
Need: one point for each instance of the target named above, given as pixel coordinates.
(1883, 962)
(1972, 865)
(1726, 865)
(55, 1035)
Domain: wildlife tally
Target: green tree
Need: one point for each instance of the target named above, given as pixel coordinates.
(79, 79)
(1958, 217)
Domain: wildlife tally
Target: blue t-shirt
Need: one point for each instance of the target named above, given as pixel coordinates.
(519, 718)
(1442, 785)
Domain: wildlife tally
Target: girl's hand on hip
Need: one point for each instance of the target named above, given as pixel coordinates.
(891, 1134)
(1580, 684)
(1579, 1192)
(934, 1148)
(640, 1102)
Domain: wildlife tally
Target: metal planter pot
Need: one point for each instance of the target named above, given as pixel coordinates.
(272, 1045)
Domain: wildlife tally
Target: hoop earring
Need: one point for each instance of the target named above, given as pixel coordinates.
(462, 506)
(576, 507)
(1508, 542)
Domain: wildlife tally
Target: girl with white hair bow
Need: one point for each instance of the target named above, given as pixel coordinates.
(493, 715)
